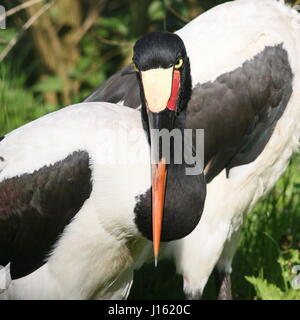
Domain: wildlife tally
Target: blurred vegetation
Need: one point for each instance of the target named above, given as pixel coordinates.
(55, 53)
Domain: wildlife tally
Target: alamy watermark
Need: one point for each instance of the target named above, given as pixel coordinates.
(125, 145)
(180, 143)
(2, 17)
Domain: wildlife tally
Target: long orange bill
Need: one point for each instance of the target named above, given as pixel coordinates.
(159, 176)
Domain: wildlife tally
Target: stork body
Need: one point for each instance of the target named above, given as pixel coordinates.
(76, 192)
(245, 66)
(93, 251)
(248, 29)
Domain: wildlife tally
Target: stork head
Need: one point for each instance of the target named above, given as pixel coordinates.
(163, 68)
(163, 71)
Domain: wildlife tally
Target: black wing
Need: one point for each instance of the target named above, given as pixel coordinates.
(36, 207)
(238, 111)
(122, 86)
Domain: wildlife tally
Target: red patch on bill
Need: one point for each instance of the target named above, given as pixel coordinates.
(175, 90)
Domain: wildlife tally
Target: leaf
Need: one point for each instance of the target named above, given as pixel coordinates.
(156, 11)
(265, 290)
(115, 24)
(291, 294)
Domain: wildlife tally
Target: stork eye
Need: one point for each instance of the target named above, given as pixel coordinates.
(179, 63)
(135, 67)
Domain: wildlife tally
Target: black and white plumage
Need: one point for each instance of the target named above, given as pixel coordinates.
(75, 199)
(245, 70)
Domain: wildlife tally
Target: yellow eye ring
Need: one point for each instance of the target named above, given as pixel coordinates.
(179, 63)
(135, 67)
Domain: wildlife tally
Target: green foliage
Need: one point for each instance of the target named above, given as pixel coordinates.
(17, 104)
(268, 291)
(156, 10)
(117, 25)
(265, 290)
(270, 237)
(7, 36)
(49, 84)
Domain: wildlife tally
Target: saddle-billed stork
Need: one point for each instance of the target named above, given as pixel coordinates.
(245, 66)
(73, 220)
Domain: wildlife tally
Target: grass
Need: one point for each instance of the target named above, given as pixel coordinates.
(270, 241)
(18, 105)
(271, 232)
